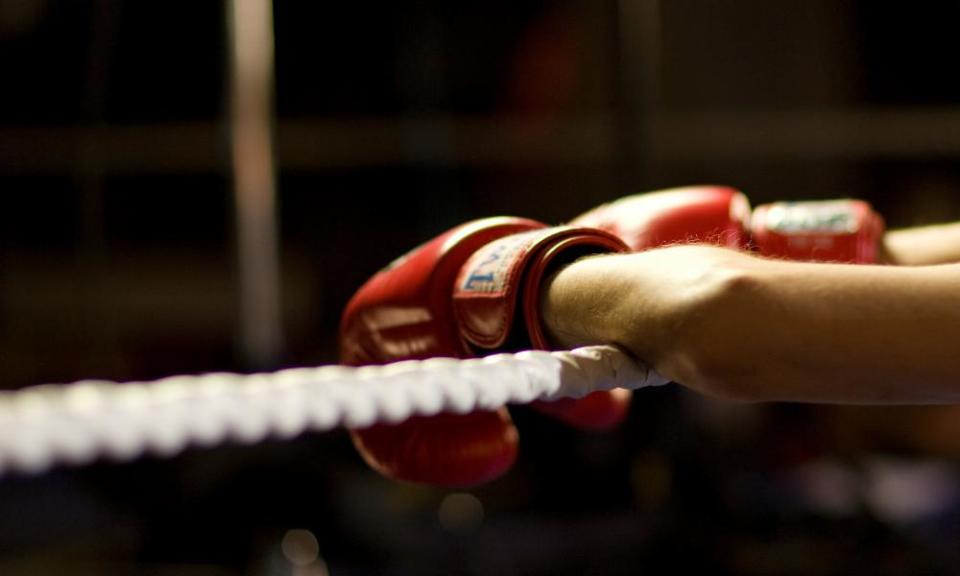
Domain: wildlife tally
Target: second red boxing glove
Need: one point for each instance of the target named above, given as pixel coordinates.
(847, 231)
(694, 214)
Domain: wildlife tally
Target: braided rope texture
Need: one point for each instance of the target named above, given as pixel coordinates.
(73, 424)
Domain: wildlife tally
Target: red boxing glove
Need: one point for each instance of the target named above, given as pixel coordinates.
(825, 231)
(472, 290)
(695, 214)
(843, 231)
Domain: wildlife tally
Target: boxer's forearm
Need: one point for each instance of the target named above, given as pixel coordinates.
(936, 244)
(738, 326)
(653, 303)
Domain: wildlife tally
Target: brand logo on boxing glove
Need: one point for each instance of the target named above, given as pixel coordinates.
(828, 217)
(490, 270)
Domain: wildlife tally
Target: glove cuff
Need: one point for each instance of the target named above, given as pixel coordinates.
(509, 272)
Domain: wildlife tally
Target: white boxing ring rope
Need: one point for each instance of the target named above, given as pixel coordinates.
(73, 424)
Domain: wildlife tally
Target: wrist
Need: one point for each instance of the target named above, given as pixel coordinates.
(639, 300)
(671, 307)
(574, 303)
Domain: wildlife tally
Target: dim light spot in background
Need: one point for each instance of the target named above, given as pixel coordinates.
(460, 512)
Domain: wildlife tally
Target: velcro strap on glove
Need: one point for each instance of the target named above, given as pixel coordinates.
(509, 272)
(846, 231)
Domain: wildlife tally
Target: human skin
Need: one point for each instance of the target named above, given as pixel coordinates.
(925, 245)
(738, 326)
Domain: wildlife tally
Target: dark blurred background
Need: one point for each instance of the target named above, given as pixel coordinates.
(131, 248)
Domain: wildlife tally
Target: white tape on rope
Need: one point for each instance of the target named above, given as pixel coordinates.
(73, 424)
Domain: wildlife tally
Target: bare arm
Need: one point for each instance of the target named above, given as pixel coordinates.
(936, 244)
(734, 325)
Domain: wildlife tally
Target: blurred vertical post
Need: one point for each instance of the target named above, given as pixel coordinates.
(639, 24)
(250, 29)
